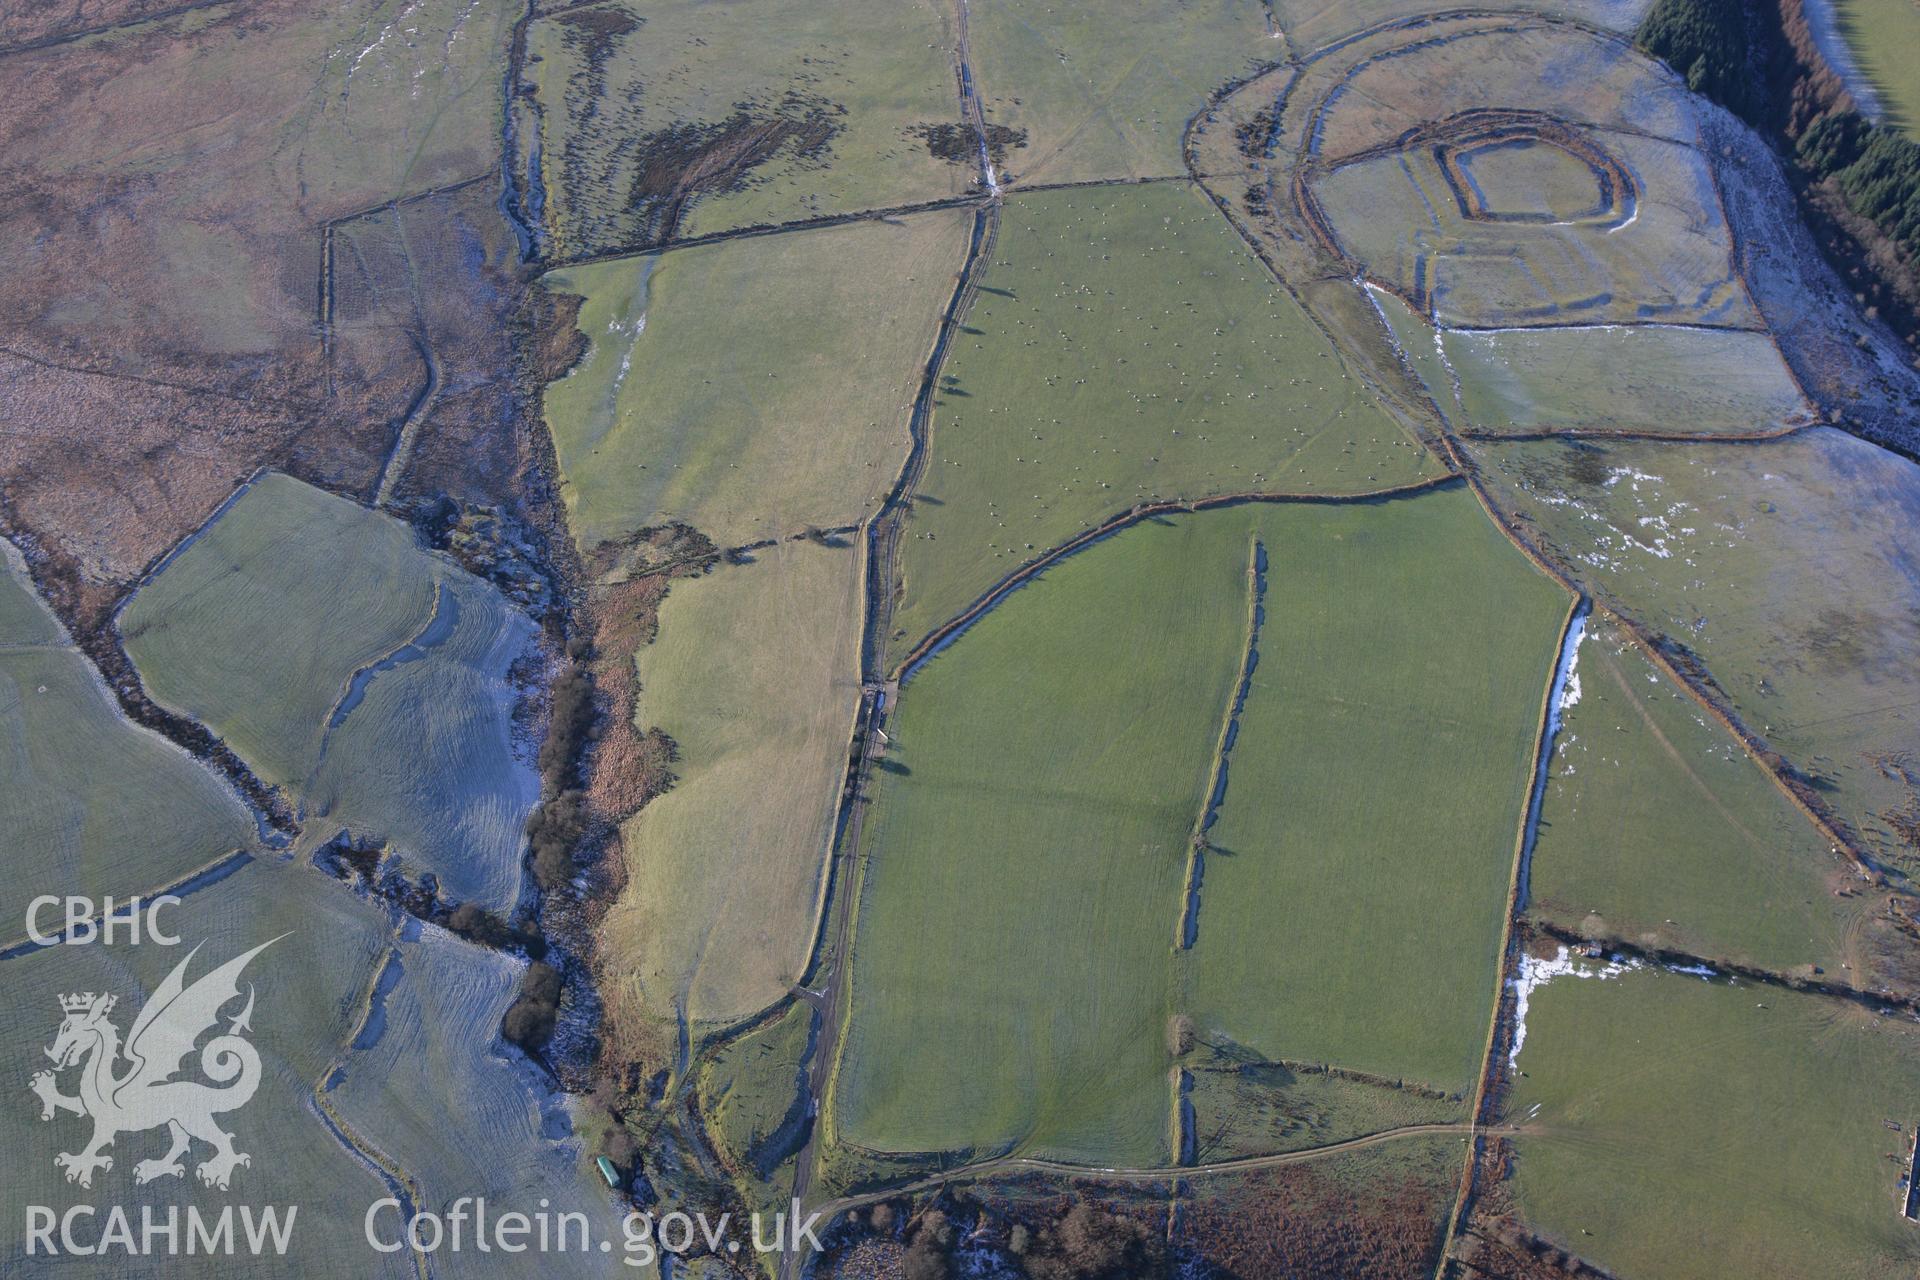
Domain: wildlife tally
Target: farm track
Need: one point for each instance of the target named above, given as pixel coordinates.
(1490, 1080)
(884, 529)
(1002, 1165)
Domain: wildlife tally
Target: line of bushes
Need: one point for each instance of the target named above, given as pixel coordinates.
(557, 826)
(553, 833)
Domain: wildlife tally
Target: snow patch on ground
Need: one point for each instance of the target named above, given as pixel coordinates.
(1536, 973)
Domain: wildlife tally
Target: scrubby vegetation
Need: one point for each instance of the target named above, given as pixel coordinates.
(555, 829)
(529, 1019)
(1090, 1243)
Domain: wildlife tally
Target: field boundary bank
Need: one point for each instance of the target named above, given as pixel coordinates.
(843, 872)
(104, 650)
(1489, 1080)
(884, 527)
(324, 320)
(107, 28)
(1880, 1002)
(950, 630)
(972, 200)
(1489, 435)
(282, 403)
(204, 876)
(384, 1167)
(1186, 931)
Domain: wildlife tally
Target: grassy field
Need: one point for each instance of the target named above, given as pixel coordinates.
(1694, 1131)
(1649, 378)
(1657, 828)
(426, 760)
(687, 117)
(1556, 70)
(752, 1092)
(91, 803)
(1025, 855)
(750, 389)
(259, 597)
(1355, 883)
(1106, 93)
(1310, 25)
(1530, 179)
(309, 987)
(1125, 346)
(347, 664)
(430, 1084)
(1666, 259)
(1884, 38)
(1783, 566)
(1641, 378)
(755, 675)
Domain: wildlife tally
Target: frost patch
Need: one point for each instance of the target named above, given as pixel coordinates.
(1570, 692)
(1536, 973)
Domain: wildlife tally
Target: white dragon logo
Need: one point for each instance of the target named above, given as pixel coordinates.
(144, 1094)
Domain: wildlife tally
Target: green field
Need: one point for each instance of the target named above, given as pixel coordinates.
(754, 674)
(1783, 567)
(309, 988)
(1125, 347)
(91, 803)
(1048, 810)
(1884, 38)
(1106, 93)
(1659, 830)
(753, 388)
(693, 118)
(345, 663)
(1025, 854)
(1355, 887)
(1690, 1130)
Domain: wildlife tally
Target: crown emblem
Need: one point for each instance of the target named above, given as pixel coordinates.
(80, 1002)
